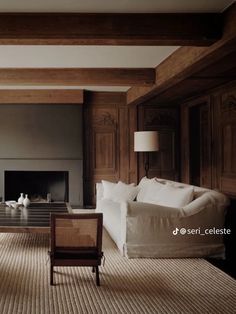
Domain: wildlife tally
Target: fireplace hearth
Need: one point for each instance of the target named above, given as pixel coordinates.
(41, 186)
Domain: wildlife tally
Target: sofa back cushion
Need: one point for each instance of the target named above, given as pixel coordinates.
(149, 189)
(108, 188)
(124, 192)
(198, 191)
(119, 192)
(172, 196)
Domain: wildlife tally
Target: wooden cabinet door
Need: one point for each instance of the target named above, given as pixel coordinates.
(196, 143)
(101, 147)
(205, 146)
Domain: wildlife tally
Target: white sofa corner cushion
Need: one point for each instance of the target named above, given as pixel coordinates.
(172, 196)
(124, 192)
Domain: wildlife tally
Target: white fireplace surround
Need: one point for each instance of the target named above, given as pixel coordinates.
(74, 167)
(43, 138)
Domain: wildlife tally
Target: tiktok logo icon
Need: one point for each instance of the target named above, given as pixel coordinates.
(175, 231)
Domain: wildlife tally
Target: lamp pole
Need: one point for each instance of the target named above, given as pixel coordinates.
(146, 141)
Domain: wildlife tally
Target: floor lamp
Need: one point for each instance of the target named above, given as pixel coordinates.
(146, 141)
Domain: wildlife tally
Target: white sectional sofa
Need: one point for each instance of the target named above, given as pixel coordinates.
(144, 229)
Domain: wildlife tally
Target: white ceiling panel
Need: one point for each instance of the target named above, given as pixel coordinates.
(82, 56)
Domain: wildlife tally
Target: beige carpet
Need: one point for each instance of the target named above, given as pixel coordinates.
(128, 286)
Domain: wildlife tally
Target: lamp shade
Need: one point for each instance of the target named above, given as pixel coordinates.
(146, 141)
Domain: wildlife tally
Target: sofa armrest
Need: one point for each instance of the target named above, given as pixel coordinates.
(99, 192)
(146, 209)
(208, 201)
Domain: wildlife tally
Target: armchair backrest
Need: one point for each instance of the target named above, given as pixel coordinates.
(76, 232)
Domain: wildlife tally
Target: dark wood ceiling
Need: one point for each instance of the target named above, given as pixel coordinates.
(189, 71)
(216, 74)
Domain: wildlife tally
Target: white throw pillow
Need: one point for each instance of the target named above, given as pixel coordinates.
(174, 196)
(150, 192)
(143, 186)
(124, 192)
(144, 181)
(162, 181)
(108, 188)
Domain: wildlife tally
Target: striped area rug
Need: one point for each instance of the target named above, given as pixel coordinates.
(127, 286)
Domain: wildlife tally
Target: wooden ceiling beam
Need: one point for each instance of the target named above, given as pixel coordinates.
(78, 76)
(41, 96)
(181, 29)
(188, 61)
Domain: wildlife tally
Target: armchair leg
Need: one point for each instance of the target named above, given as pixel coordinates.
(51, 275)
(97, 276)
(93, 269)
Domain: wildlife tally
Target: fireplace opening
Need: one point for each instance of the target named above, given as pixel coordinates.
(41, 186)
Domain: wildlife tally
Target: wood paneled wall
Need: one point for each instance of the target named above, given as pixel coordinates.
(106, 141)
(165, 120)
(225, 135)
(217, 139)
(109, 126)
(196, 143)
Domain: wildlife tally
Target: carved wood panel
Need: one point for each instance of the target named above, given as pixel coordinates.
(101, 148)
(196, 139)
(205, 146)
(227, 149)
(218, 151)
(184, 144)
(104, 151)
(104, 147)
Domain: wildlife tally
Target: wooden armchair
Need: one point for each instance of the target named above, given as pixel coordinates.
(76, 240)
